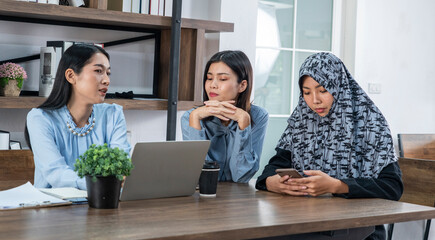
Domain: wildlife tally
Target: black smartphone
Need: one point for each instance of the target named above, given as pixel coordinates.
(291, 172)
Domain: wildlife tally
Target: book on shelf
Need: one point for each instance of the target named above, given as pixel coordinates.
(162, 7)
(154, 7)
(145, 6)
(119, 5)
(135, 6)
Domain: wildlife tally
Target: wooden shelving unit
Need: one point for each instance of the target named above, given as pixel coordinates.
(191, 54)
(128, 104)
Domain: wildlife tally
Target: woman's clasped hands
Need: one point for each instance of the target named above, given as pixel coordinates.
(317, 183)
(224, 110)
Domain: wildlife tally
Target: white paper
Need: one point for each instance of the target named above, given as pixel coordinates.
(25, 195)
(65, 193)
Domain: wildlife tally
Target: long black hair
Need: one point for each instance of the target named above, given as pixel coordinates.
(75, 58)
(240, 64)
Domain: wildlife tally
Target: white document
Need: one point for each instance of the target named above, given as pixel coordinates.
(26, 195)
(65, 193)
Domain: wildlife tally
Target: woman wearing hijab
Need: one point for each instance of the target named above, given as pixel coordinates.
(337, 138)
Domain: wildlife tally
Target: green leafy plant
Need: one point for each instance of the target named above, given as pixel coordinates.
(103, 161)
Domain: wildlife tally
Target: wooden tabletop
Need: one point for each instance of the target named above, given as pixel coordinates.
(238, 212)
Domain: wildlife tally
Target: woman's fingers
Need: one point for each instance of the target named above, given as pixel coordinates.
(224, 104)
(229, 105)
(215, 110)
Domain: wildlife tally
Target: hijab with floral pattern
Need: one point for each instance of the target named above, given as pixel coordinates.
(353, 140)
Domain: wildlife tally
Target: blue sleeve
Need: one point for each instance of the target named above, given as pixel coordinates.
(48, 159)
(118, 137)
(190, 133)
(248, 145)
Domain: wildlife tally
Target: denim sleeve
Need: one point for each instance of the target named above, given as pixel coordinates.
(190, 133)
(248, 145)
(47, 157)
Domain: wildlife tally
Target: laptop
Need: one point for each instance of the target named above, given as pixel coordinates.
(164, 169)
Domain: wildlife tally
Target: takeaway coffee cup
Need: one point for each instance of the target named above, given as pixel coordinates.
(209, 179)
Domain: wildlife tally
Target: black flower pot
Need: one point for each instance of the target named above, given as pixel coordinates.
(104, 193)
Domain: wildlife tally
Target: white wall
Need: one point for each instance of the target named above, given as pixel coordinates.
(395, 47)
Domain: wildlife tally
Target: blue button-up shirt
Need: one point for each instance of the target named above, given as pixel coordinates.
(55, 148)
(237, 151)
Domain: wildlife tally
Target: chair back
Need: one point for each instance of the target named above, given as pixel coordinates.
(421, 146)
(418, 176)
(417, 162)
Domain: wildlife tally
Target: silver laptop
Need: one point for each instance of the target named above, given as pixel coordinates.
(164, 169)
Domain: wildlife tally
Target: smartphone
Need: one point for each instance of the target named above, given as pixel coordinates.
(291, 172)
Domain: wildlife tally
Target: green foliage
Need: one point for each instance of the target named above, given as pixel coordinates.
(5, 81)
(103, 161)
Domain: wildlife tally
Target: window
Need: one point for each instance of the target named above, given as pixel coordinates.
(288, 31)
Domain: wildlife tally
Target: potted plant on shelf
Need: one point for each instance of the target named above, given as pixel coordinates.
(11, 79)
(104, 169)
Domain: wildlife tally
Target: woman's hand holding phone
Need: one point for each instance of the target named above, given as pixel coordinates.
(319, 183)
(291, 172)
(278, 184)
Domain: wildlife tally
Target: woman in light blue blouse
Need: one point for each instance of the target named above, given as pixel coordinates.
(235, 127)
(72, 118)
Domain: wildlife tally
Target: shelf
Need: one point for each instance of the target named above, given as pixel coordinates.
(54, 13)
(192, 52)
(127, 104)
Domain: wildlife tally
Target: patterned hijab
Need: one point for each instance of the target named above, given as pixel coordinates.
(353, 140)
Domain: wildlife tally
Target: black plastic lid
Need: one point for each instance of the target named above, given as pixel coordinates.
(210, 165)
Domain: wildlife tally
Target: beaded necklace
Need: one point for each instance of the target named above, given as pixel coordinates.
(81, 134)
(71, 125)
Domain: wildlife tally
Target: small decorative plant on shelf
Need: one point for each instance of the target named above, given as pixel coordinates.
(104, 169)
(11, 79)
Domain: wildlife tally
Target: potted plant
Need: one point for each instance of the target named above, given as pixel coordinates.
(104, 169)
(11, 79)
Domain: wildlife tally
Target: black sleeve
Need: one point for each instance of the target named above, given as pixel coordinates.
(282, 159)
(388, 185)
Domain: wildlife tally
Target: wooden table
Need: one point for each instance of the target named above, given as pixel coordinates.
(238, 212)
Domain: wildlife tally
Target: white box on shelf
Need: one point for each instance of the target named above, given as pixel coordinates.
(4, 140)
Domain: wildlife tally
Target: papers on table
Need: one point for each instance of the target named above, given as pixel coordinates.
(27, 196)
(65, 193)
